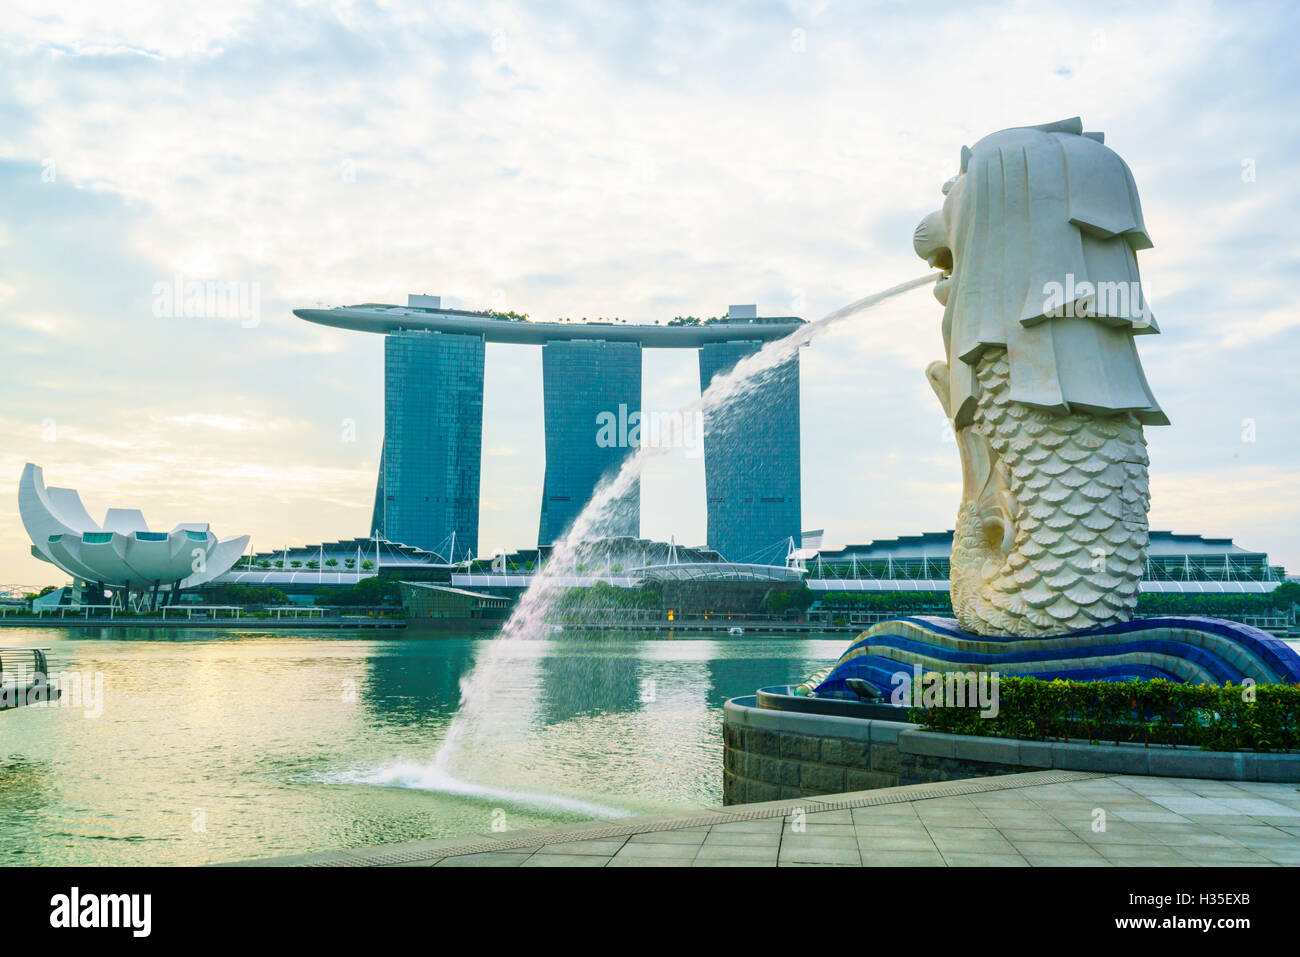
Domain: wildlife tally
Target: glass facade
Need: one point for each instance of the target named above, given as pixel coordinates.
(752, 460)
(428, 484)
(591, 390)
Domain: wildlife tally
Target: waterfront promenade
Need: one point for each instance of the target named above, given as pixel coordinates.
(1040, 818)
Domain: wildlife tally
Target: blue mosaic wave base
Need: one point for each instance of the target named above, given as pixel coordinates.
(1195, 650)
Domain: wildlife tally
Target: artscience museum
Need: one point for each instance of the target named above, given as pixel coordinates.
(142, 569)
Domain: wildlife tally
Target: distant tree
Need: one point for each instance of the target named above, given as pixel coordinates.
(776, 602)
(295, 564)
(313, 564)
(367, 592)
(244, 595)
(367, 564)
(331, 563)
(1285, 596)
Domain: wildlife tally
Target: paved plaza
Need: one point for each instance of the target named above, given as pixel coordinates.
(1041, 818)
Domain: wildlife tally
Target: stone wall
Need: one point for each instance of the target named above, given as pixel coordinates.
(771, 755)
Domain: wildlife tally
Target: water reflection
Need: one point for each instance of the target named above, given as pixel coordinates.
(227, 745)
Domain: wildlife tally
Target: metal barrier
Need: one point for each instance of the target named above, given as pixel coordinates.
(23, 661)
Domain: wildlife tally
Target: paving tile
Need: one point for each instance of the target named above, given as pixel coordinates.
(1214, 856)
(762, 824)
(820, 843)
(643, 851)
(1280, 855)
(1157, 816)
(903, 829)
(427, 862)
(622, 860)
(1133, 862)
(564, 860)
(954, 820)
(718, 838)
(1057, 834)
(1142, 854)
(1024, 818)
(694, 835)
(888, 839)
(730, 862)
(1011, 799)
(1041, 854)
(739, 853)
(818, 830)
(1194, 805)
(1117, 832)
(805, 854)
(843, 816)
(1189, 835)
(1072, 811)
(810, 864)
(872, 817)
(965, 859)
(596, 848)
(969, 839)
(486, 859)
(901, 858)
(1270, 820)
(1252, 835)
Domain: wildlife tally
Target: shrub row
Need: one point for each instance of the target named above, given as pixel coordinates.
(1227, 718)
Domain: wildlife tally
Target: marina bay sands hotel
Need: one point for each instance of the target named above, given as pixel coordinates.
(428, 487)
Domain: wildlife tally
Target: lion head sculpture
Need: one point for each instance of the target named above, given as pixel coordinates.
(1037, 239)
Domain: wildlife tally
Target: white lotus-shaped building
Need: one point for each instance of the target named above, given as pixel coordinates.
(121, 554)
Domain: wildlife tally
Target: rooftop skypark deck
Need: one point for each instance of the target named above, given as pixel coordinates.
(384, 319)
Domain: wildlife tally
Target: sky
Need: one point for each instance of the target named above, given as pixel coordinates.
(638, 160)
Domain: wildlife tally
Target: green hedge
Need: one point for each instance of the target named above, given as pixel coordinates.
(1143, 711)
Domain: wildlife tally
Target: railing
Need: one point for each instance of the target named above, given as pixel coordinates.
(296, 611)
(82, 610)
(23, 664)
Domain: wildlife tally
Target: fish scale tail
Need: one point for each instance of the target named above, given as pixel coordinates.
(1079, 492)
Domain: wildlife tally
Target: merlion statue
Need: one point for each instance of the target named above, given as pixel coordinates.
(1042, 382)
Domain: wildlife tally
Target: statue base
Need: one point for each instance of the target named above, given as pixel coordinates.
(1190, 650)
